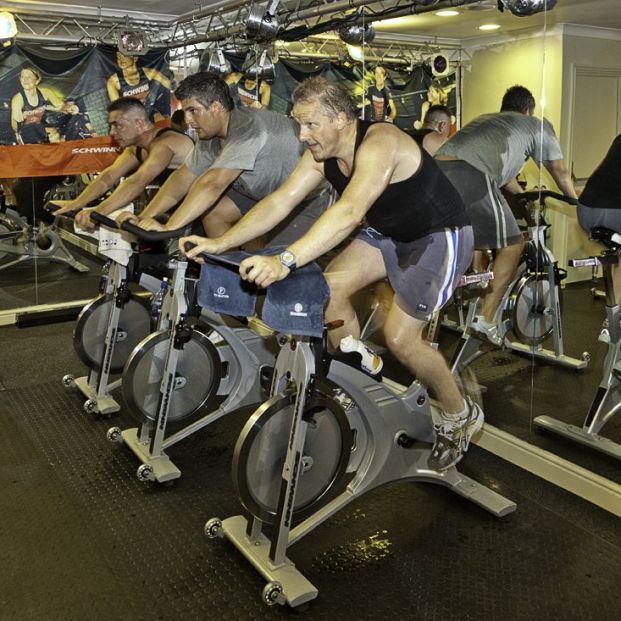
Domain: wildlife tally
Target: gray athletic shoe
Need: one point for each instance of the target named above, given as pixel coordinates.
(489, 331)
(453, 438)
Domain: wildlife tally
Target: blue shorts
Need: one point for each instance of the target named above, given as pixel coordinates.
(424, 272)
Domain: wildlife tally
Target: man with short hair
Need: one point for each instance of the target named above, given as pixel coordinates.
(242, 155)
(484, 156)
(435, 130)
(417, 234)
(149, 154)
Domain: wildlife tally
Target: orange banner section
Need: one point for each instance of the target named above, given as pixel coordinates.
(58, 158)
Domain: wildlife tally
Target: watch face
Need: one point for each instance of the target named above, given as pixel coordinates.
(287, 258)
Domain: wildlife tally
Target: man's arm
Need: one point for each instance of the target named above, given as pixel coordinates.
(158, 76)
(561, 176)
(204, 194)
(265, 92)
(113, 86)
(392, 113)
(159, 158)
(122, 166)
(267, 213)
(17, 110)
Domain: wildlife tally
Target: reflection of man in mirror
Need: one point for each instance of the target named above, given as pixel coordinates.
(382, 105)
(249, 92)
(29, 107)
(435, 130)
(134, 81)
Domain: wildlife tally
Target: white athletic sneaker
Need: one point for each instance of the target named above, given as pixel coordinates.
(489, 331)
(453, 437)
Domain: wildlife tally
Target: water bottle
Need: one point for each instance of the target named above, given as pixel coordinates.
(103, 278)
(157, 301)
(370, 362)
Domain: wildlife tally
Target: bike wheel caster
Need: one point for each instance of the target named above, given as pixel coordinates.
(90, 406)
(145, 473)
(273, 594)
(213, 528)
(114, 434)
(68, 381)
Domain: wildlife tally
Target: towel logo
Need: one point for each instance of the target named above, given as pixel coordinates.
(297, 311)
(221, 293)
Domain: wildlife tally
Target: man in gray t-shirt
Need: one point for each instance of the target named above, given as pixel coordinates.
(242, 155)
(485, 156)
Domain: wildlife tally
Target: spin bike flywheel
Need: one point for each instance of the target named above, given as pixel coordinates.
(197, 376)
(261, 450)
(531, 318)
(90, 330)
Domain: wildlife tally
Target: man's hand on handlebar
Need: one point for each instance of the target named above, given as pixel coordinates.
(126, 216)
(150, 224)
(200, 245)
(262, 270)
(83, 220)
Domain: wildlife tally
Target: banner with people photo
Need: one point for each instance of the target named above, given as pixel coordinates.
(411, 90)
(50, 96)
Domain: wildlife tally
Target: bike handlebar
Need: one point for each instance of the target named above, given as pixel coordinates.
(151, 236)
(533, 195)
(52, 209)
(101, 219)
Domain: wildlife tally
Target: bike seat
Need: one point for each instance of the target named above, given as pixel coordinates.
(607, 237)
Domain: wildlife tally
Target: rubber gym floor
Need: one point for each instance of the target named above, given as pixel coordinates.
(83, 539)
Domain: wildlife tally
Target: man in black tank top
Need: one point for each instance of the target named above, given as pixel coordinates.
(416, 233)
(148, 152)
(435, 129)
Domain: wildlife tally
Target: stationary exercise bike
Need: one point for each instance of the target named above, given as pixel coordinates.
(327, 434)
(530, 308)
(607, 400)
(107, 330)
(20, 241)
(181, 371)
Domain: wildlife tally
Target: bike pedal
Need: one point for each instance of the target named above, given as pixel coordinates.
(403, 440)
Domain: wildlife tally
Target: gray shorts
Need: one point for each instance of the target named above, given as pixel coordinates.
(424, 272)
(296, 223)
(491, 217)
(590, 217)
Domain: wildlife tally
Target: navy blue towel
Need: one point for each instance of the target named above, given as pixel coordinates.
(293, 305)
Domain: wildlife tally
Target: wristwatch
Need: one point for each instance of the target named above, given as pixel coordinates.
(288, 259)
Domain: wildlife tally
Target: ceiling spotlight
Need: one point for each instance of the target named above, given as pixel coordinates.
(489, 27)
(447, 13)
(262, 24)
(258, 65)
(357, 34)
(8, 29)
(217, 63)
(440, 65)
(526, 8)
(131, 43)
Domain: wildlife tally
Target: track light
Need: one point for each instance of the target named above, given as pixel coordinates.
(131, 43)
(357, 34)
(8, 29)
(258, 65)
(218, 64)
(262, 24)
(526, 8)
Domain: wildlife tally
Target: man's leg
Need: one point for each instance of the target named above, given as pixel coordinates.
(356, 267)
(221, 217)
(505, 264)
(404, 338)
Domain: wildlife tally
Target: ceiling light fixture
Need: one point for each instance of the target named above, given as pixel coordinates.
(258, 66)
(447, 13)
(357, 34)
(132, 43)
(489, 27)
(217, 63)
(8, 29)
(262, 24)
(525, 8)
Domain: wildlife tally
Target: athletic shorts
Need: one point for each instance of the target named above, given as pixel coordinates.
(296, 223)
(590, 217)
(424, 272)
(491, 217)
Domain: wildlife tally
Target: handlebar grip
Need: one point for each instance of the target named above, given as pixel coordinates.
(101, 219)
(151, 235)
(52, 209)
(533, 195)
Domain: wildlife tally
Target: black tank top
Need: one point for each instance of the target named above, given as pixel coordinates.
(410, 209)
(602, 189)
(140, 156)
(137, 91)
